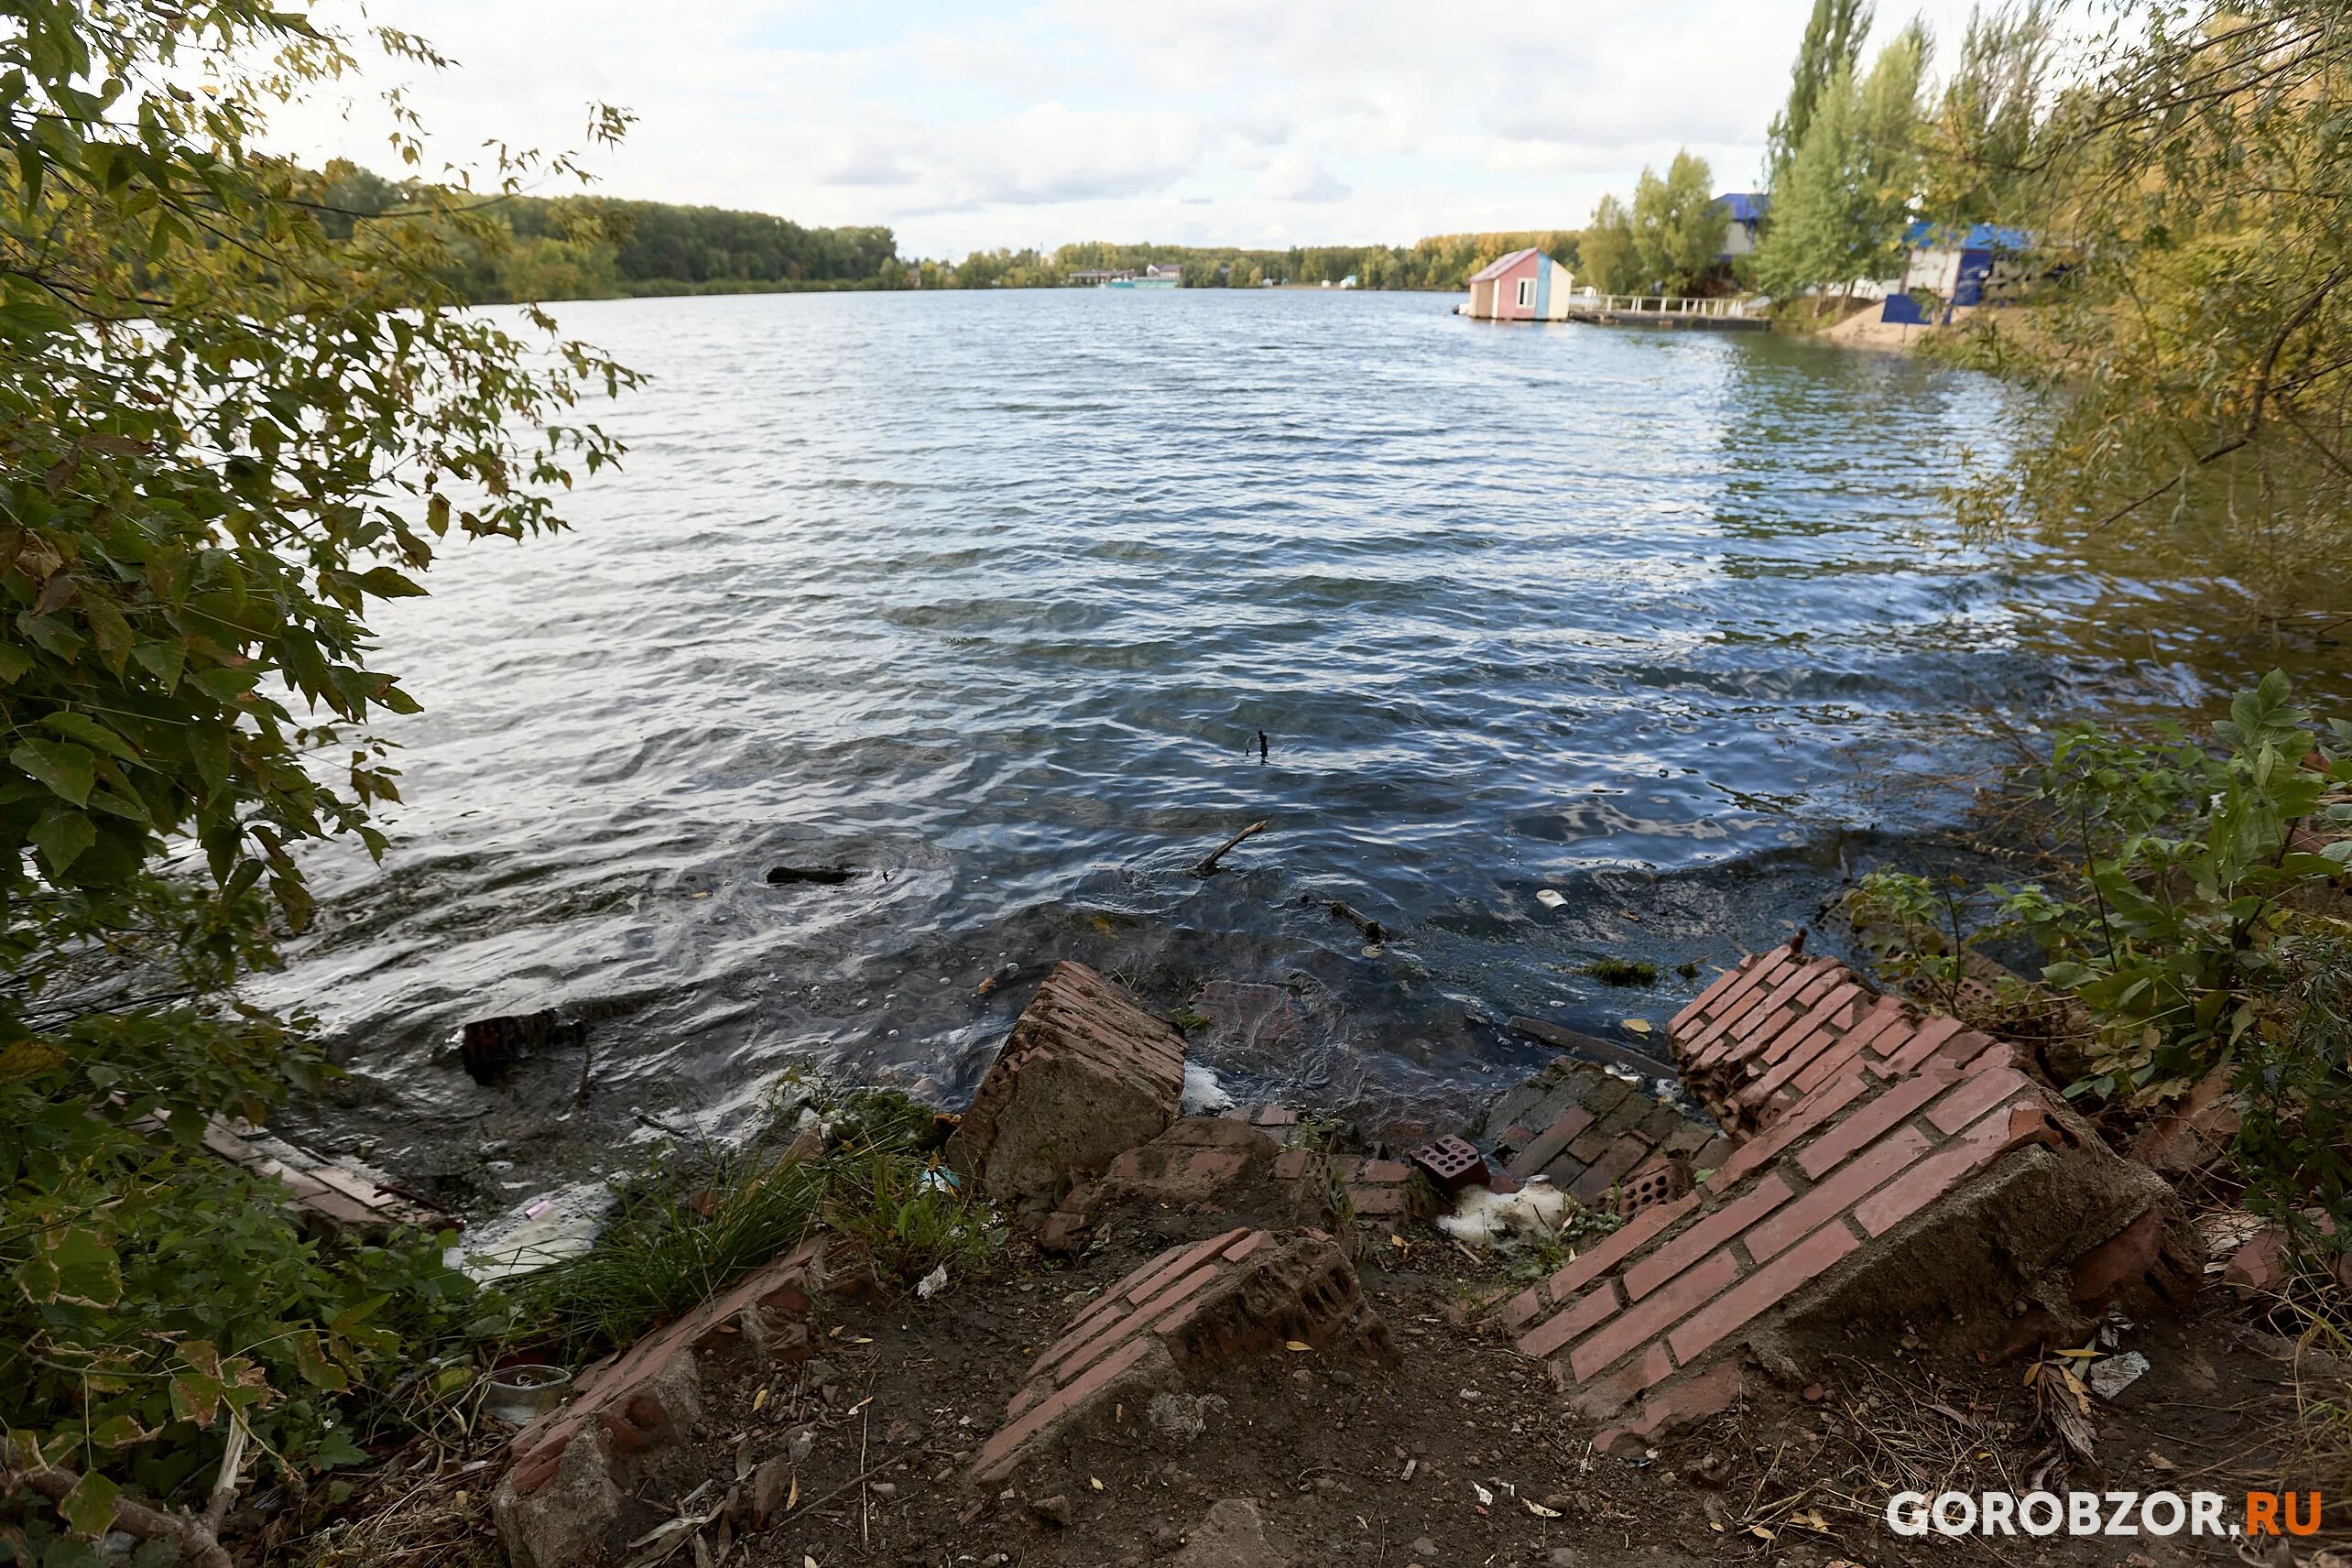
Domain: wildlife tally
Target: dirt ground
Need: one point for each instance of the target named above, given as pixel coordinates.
(1462, 1453)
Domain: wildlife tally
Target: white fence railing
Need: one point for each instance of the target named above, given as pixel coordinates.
(1662, 304)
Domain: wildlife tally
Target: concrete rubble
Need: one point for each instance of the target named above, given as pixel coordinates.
(1872, 1173)
(1897, 1174)
(1087, 1074)
(568, 1497)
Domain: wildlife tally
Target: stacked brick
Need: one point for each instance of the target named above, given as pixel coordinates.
(1235, 1294)
(1590, 1132)
(1087, 1073)
(1903, 1174)
(1781, 1026)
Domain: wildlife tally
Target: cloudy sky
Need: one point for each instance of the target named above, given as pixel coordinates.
(977, 125)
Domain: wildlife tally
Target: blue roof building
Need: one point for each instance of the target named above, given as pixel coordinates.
(1744, 213)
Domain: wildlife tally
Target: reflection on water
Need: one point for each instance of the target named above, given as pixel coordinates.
(992, 595)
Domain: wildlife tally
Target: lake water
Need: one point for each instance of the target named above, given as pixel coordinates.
(992, 595)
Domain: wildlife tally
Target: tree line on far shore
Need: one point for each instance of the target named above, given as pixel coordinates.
(591, 247)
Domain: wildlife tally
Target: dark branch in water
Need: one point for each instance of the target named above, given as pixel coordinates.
(1208, 864)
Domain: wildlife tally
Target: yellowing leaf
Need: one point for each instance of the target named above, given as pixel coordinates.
(1540, 1511)
(1095, 1482)
(759, 1401)
(1296, 1345)
(1639, 1026)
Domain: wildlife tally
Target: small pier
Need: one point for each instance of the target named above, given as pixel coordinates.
(1716, 315)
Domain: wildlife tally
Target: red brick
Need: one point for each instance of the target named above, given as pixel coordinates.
(1256, 1241)
(1790, 1058)
(1377, 1200)
(1604, 1396)
(1693, 1399)
(1293, 1163)
(1151, 1283)
(1930, 1180)
(1760, 1002)
(1620, 1158)
(1703, 1237)
(1605, 1254)
(1523, 1306)
(1589, 1311)
(1968, 1047)
(1980, 1093)
(1855, 1181)
(1754, 974)
(535, 1473)
(1841, 1057)
(999, 1448)
(1384, 1172)
(1828, 1012)
(1892, 1107)
(1806, 1115)
(1932, 1035)
(1643, 1320)
(1733, 1310)
(1546, 1147)
(1106, 1330)
(1698, 1004)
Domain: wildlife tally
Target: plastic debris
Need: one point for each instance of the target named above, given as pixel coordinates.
(1550, 899)
(550, 1228)
(1204, 1095)
(932, 1283)
(1486, 1219)
(2113, 1376)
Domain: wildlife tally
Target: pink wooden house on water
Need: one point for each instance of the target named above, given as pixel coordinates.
(1525, 286)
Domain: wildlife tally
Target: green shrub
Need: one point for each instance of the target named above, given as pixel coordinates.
(2196, 929)
(908, 1219)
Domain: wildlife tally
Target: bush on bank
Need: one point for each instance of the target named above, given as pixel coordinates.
(225, 433)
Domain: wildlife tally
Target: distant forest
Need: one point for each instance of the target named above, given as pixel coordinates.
(593, 248)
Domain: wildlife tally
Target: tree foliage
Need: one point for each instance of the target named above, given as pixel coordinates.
(1678, 230)
(1981, 135)
(2195, 929)
(1832, 47)
(2192, 178)
(1843, 200)
(238, 406)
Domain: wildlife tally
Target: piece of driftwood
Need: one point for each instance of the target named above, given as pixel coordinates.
(1208, 866)
(1592, 1047)
(827, 876)
(1355, 917)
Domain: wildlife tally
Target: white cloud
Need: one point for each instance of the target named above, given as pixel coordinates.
(973, 123)
(1299, 176)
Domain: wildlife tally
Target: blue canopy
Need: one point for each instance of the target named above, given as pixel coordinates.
(1924, 236)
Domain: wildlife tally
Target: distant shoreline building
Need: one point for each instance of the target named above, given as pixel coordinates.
(1744, 214)
(1525, 286)
(1154, 276)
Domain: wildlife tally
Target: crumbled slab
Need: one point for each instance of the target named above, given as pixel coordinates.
(1238, 1293)
(1088, 1074)
(2194, 1131)
(1957, 1198)
(1778, 1027)
(1203, 1165)
(1592, 1133)
(566, 1500)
